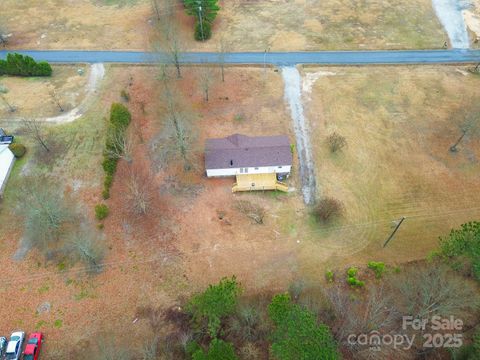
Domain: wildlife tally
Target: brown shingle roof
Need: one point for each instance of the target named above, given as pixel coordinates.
(237, 151)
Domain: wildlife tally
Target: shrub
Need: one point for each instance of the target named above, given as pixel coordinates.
(207, 31)
(107, 183)
(106, 193)
(109, 165)
(20, 65)
(101, 211)
(352, 279)
(336, 142)
(328, 208)
(352, 272)
(18, 149)
(119, 116)
(377, 267)
(329, 275)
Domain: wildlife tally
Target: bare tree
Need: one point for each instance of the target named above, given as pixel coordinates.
(336, 142)
(121, 145)
(11, 108)
(223, 49)
(180, 138)
(48, 213)
(56, 99)
(85, 245)
(139, 189)
(36, 129)
(434, 290)
(251, 210)
(205, 81)
(169, 43)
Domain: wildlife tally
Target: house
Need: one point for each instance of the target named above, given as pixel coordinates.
(258, 163)
(7, 160)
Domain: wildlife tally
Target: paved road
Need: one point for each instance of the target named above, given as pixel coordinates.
(274, 58)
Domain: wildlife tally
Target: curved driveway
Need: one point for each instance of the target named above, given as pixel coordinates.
(256, 58)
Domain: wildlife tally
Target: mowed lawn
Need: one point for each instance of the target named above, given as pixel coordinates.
(399, 123)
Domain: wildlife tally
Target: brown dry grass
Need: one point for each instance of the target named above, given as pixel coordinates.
(83, 24)
(32, 97)
(246, 25)
(399, 123)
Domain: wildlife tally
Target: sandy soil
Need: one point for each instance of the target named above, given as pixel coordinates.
(244, 24)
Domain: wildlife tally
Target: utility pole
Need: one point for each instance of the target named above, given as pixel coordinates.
(265, 62)
(394, 231)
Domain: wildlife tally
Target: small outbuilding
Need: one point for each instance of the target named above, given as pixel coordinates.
(259, 163)
(7, 159)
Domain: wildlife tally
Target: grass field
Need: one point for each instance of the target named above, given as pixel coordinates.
(38, 96)
(245, 25)
(399, 123)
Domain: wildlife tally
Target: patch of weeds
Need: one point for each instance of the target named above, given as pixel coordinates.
(239, 118)
(43, 289)
(377, 267)
(83, 294)
(69, 282)
(352, 279)
(329, 276)
(58, 323)
(61, 266)
(40, 324)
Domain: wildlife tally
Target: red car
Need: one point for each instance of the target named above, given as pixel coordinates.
(34, 344)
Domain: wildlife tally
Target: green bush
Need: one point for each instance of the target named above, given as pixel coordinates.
(20, 65)
(101, 211)
(18, 149)
(329, 276)
(119, 116)
(119, 120)
(377, 267)
(106, 193)
(352, 279)
(207, 31)
(109, 165)
(352, 272)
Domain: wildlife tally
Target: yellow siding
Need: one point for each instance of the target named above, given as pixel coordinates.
(252, 182)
